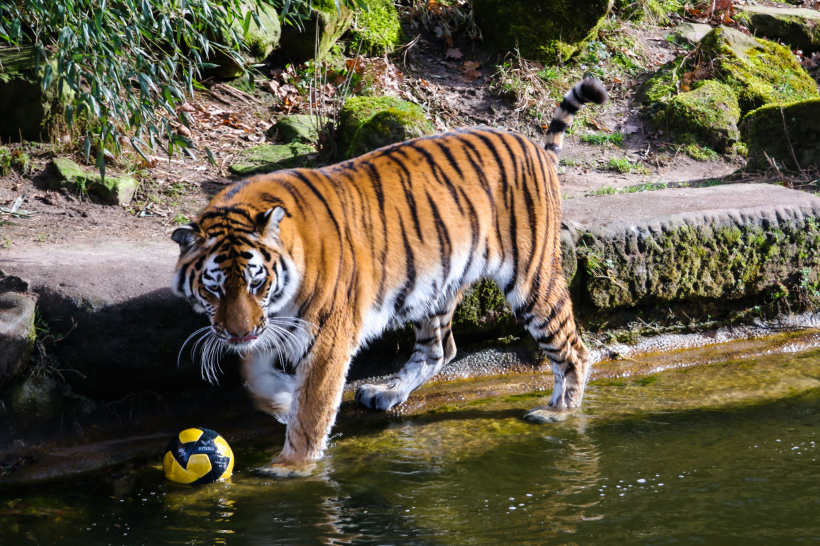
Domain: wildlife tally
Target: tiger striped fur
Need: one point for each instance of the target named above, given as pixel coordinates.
(305, 266)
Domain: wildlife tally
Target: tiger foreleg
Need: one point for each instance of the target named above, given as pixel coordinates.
(319, 382)
(434, 348)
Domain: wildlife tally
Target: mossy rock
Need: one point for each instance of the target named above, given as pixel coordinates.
(369, 123)
(116, 190)
(759, 71)
(25, 109)
(266, 158)
(377, 31)
(709, 112)
(296, 128)
(261, 41)
(299, 44)
(541, 31)
(763, 131)
(35, 400)
(17, 334)
(797, 28)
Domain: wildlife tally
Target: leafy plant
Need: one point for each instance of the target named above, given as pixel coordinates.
(620, 164)
(180, 219)
(129, 63)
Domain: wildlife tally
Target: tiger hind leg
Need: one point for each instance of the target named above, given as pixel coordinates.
(551, 323)
(434, 348)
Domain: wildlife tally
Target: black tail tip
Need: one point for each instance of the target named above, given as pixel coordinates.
(594, 91)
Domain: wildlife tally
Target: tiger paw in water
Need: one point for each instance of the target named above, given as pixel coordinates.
(546, 414)
(197, 456)
(282, 468)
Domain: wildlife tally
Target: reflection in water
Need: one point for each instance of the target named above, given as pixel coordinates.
(722, 454)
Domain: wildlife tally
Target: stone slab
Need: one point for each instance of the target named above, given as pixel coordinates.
(726, 201)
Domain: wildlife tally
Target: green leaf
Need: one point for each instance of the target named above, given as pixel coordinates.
(49, 73)
(87, 148)
(211, 157)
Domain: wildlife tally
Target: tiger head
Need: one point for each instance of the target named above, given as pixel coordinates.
(234, 268)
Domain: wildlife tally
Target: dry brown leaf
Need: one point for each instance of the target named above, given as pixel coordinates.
(453, 53)
(471, 65)
(471, 75)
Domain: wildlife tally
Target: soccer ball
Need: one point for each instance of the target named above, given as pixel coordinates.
(197, 456)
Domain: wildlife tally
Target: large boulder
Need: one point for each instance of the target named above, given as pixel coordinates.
(377, 31)
(541, 31)
(369, 123)
(709, 113)
(260, 40)
(798, 28)
(296, 128)
(784, 133)
(299, 43)
(17, 335)
(759, 71)
(26, 110)
(115, 190)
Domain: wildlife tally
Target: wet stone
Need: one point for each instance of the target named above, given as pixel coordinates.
(17, 335)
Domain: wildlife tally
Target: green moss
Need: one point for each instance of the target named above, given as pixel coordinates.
(369, 123)
(377, 31)
(266, 158)
(117, 190)
(709, 112)
(758, 71)
(783, 133)
(690, 263)
(482, 303)
(796, 28)
(542, 31)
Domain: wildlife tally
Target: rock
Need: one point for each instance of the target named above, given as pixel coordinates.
(707, 246)
(709, 112)
(691, 32)
(299, 44)
(35, 400)
(266, 158)
(796, 27)
(116, 190)
(541, 31)
(261, 41)
(377, 31)
(25, 109)
(369, 123)
(297, 128)
(17, 335)
(763, 131)
(758, 71)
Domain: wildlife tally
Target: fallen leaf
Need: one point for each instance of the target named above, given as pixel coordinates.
(471, 65)
(471, 75)
(453, 53)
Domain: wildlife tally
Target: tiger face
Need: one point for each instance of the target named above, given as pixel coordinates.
(236, 272)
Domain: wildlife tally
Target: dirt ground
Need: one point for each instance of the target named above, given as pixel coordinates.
(459, 90)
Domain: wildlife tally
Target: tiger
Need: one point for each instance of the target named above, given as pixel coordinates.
(300, 268)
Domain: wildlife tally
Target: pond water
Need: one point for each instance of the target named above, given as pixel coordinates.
(716, 454)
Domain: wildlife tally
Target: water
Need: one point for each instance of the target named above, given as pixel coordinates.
(718, 454)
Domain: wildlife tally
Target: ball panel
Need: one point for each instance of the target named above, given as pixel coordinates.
(226, 451)
(190, 435)
(199, 465)
(174, 472)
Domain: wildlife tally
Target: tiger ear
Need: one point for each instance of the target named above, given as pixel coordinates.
(187, 236)
(267, 223)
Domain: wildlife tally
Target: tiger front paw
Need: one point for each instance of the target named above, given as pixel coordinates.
(379, 397)
(546, 414)
(282, 468)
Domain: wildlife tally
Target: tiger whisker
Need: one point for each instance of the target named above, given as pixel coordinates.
(179, 355)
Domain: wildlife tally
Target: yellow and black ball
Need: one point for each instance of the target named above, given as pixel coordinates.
(197, 456)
